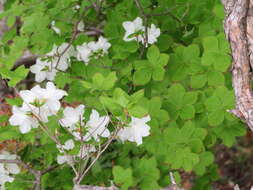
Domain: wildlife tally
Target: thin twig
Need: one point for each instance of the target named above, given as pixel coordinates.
(74, 35)
(79, 179)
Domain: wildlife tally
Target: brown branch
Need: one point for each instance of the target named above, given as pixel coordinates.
(74, 34)
(236, 28)
(27, 61)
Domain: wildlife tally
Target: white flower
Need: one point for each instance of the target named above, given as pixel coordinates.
(97, 126)
(136, 31)
(133, 27)
(52, 96)
(83, 53)
(80, 26)
(65, 51)
(71, 116)
(153, 34)
(85, 150)
(39, 103)
(95, 49)
(101, 45)
(59, 60)
(69, 144)
(7, 169)
(43, 70)
(10, 167)
(22, 117)
(136, 130)
(47, 99)
(57, 30)
(61, 159)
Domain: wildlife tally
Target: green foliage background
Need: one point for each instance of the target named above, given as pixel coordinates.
(182, 82)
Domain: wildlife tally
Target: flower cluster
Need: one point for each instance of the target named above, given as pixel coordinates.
(84, 135)
(59, 58)
(93, 49)
(84, 151)
(136, 31)
(56, 60)
(7, 169)
(73, 121)
(39, 103)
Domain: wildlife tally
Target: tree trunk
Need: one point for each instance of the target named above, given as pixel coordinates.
(238, 26)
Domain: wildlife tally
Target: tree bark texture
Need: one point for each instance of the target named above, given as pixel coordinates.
(238, 26)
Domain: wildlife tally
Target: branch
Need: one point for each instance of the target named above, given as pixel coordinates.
(235, 25)
(27, 61)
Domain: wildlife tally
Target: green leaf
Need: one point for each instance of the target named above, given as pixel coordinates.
(142, 77)
(211, 43)
(158, 73)
(191, 52)
(213, 103)
(109, 81)
(123, 177)
(198, 81)
(98, 80)
(216, 118)
(190, 98)
(111, 105)
(208, 58)
(121, 97)
(163, 59)
(9, 133)
(175, 94)
(14, 101)
(137, 111)
(215, 78)
(153, 54)
(147, 169)
(222, 62)
(187, 112)
(184, 158)
(135, 97)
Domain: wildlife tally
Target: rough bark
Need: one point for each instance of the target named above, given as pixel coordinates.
(238, 26)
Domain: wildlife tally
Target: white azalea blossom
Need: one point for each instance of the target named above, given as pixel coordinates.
(97, 126)
(136, 130)
(72, 116)
(47, 98)
(43, 70)
(133, 28)
(7, 169)
(83, 53)
(101, 46)
(153, 34)
(65, 51)
(56, 60)
(93, 49)
(69, 145)
(22, 117)
(136, 31)
(61, 159)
